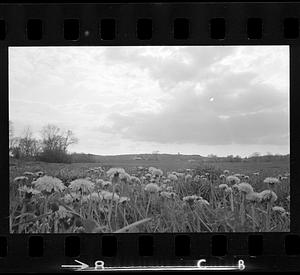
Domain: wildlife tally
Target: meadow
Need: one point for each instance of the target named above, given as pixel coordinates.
(149, 196)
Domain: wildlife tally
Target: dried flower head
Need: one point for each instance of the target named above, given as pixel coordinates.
(172, 177)
(30, 174)
(135, 180)
(29, 190)
(197, 178)
(232, 180)
(63, 213)
(188, 177)
(253, 197)
(49, 184)
(152, 188)
(123, 200)
(278, 209)
(82, 185)
(245, 187)
(110, 196)
(226, 172)
(271, 181)
(223, 186)
(268, 196)
(222, 177)
(20, 179)
(115, 172)
(228, 190)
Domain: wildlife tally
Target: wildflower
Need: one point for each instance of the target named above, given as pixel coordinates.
(115, 172)
(288, 197)
(233, 180)
(180, 175)
(148, 175)
(284, 178)
(222, 177)
(256, 173)
(246, 177)
(83, 185)
(235, 187)
(68, 198)
(125, 177)
(106, 183)
(228, 190)
(49, 184)
(151, 169)
(287, 174)
(163, 186)
(20, 179)
(271, 181)
(286, 214)
(191, 199)
(152, 188)
(111, 196)
(63, 212)
(165, 194)
(253, 197)
(245, 187)
(278, 209)
(169, 188)
(84, 199)
(226, 172)
(268, 196)
(197, 178)
(28, 174)
(188, 177)
(99, 182)
(202, 201)
(135, 180)
(124, 199)
(155, 171)
(29, 190)
(223, 186)
(172, 177)
(95, 197)
(39, 173)
(167, 181)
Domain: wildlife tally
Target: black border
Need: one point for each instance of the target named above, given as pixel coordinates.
(163, 15)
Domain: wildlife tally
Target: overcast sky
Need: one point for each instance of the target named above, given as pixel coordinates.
(193, 100)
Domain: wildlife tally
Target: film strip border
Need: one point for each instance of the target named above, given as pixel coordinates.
(150, 24)
(277, 252)
(147, 24)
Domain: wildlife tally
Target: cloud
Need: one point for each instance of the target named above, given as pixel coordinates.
(242, 112)
(166, 97)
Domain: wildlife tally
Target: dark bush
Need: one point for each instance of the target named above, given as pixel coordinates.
(54, 156)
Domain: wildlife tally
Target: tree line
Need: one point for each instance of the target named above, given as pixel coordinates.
(51, 146)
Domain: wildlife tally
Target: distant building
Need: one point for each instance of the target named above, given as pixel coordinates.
(191, 160)
(137, 158)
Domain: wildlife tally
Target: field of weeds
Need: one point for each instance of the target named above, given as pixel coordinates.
(89, 198)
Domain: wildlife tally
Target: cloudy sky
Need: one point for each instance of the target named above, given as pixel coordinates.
(193, 100)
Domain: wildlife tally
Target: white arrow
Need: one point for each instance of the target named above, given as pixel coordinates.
(81, 266)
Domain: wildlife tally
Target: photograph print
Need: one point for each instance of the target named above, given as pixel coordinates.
(149, 139)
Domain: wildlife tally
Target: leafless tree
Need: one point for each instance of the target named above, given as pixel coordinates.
(55, 139)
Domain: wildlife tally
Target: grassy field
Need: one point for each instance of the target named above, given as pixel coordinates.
(175, 196)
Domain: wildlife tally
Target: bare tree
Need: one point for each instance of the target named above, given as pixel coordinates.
(55, 143)
(29, 146)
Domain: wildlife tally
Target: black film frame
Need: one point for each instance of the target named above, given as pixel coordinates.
(150, 24)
